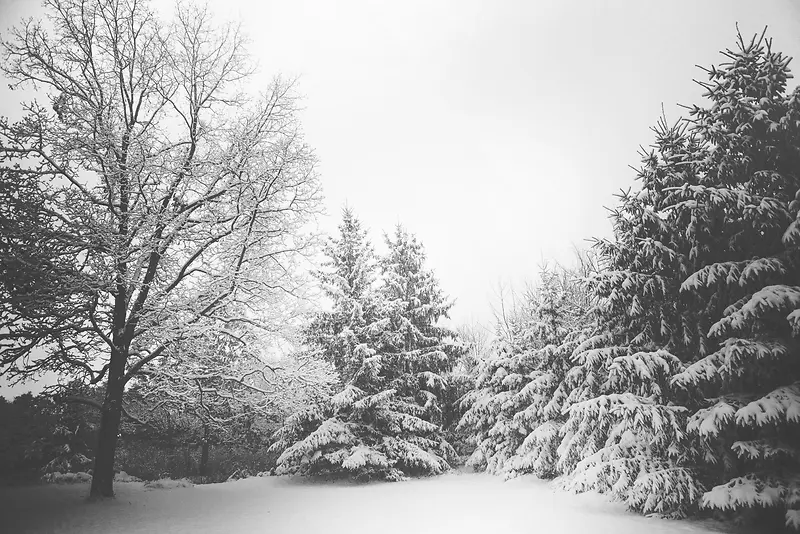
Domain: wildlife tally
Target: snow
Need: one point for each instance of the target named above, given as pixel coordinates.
(331, 431)
(743, 492)
(774, 297)
(778, 406)
(58, 477)
(346, 397)
(712, 420)
(361, 456)
(460, 503)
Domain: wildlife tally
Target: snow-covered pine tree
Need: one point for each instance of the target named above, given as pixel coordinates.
(561, 322)
(386, 422)
(490, 406)
(475, 344)
(347, 279)
(513, 393)
(417, 352)
(722, 187)
(744, 208)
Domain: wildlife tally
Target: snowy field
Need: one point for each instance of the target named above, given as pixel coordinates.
(458, 503)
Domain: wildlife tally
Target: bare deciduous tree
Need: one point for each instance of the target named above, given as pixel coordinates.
(170, 204)
(557, 286)
(476, 339)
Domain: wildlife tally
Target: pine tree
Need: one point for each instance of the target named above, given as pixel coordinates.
(347, 279)
(745, 208)
(561, 325)
(474, 348)
(386, 422)
(703, 270)
(417, 350)
(495, 398)
(491, 406)
(515, 406)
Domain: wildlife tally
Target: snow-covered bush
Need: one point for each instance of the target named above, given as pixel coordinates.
(57, 477)
(122, 476)
(168, 483)
(67, 461)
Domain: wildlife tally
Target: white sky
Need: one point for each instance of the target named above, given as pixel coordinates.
(495, 130)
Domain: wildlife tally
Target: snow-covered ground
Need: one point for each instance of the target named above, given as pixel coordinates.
(460, 503)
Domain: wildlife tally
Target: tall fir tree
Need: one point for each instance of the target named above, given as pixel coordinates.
(744, 218)
(348, 280)
(561, 324)
(413, 304)
(474, 348)
(386, 422)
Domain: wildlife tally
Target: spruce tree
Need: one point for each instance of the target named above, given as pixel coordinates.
(745, 208)
(515, 406)
(691, 380)
(501, 377)
(491, 406)
(347, 279)
(386, 422)
(474, 341)
(417, 350)
(562, 324)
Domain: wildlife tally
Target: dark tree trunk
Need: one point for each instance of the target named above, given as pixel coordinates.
(204, 459)
(204, 454)
(103, 474)
(122, 333)
(187, 461)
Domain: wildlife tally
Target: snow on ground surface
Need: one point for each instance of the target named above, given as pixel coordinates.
(460, 503)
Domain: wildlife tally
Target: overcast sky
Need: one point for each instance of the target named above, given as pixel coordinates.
(497, 131)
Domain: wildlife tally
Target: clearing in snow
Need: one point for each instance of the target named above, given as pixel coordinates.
(460, 503)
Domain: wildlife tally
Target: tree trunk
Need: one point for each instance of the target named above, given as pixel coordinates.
(103, 474)
(204, 459)
(204, 454)
(187, 461)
